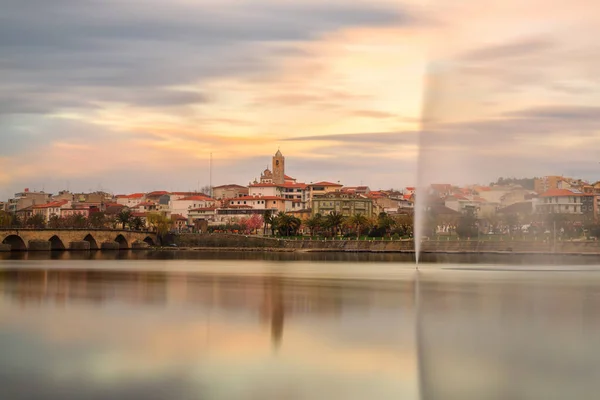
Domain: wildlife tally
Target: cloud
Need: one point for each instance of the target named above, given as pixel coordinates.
(516, 49)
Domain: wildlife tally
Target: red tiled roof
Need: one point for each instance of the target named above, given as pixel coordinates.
(560, 193)
(157, 193)
(51, 204)
(325, 183)
(138, 214)
(288, 177)
(130, 196)
(178, 217)
(410, 188)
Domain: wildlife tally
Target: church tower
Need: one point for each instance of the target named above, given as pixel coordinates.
(279, 168)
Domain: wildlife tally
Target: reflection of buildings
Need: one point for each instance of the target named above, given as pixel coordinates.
(530, 336)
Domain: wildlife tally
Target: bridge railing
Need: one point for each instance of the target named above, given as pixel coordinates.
(76, 229)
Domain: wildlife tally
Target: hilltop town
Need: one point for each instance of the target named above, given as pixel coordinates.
(506, 206)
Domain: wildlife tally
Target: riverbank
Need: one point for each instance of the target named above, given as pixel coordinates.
(226, 242)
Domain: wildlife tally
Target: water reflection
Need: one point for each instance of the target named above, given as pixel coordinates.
(223, 329)
(203, 335)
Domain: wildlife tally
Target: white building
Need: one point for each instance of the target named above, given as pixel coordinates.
(130, 200)
(183, 205)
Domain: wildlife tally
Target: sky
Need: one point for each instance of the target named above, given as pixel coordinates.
(130, 96)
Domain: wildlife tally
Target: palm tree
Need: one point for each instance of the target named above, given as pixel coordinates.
(287, 224)
(334, 221)
(136, 223)
(358, 221)
(267, 220)
(314, 223)
(272, 221)
(124, 216)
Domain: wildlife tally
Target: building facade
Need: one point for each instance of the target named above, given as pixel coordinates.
(343, 203)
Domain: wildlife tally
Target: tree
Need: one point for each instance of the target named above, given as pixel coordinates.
(36, 221)
(287, 225)
(124, 216)
(467, 225)
(6, 219)
(314, 223)
(385, 222)
(206, 189)
(160, 223)
(136, 223)
(76, 220)
(97, 220)
(404, 224)
(254, 222)
(333, 221)
(358, 221)
(270, 221)
(56, 222)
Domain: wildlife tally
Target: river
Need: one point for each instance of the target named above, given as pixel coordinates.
(200, 325)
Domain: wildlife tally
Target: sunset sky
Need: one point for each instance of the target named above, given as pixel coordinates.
(134, 96)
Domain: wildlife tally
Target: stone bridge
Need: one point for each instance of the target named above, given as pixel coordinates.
(74, 239)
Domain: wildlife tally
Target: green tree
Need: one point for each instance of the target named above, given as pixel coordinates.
(314, 223)
(333, 221)
(97, 220)
(160, 223)
(123, 217)
(358, 221)
(6, 219)
(136, 223)
(271, 221)
(77, 220)
(56, 222)
(287, 225)
(467, 225)
(36, 221)
(385, 223)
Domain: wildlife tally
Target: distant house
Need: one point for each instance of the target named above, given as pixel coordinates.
(229, 191)
(567, 202)
(343, 203)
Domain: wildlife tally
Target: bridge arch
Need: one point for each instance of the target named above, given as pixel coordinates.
(149, 240)
(16, 243)
(123, 244)
(56, 243)
(93, 243)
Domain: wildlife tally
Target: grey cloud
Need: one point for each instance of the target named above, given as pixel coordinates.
(66, 49)
(567, 113)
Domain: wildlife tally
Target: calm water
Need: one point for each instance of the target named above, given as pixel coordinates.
(179, 325)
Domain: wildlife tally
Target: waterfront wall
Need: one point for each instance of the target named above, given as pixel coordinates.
(465, 246)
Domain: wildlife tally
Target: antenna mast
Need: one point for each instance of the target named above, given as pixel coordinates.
(210, 177)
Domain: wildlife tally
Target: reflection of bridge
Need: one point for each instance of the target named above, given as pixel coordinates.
(74, 239)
